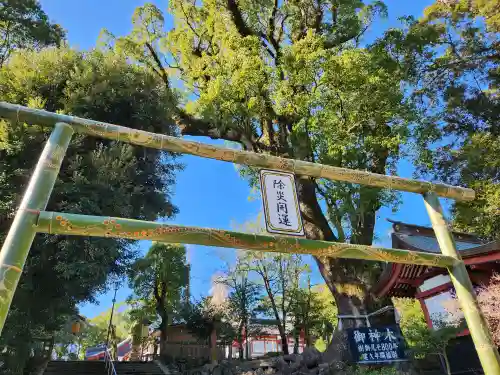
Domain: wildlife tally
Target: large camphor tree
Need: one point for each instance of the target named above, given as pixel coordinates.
(289, 78)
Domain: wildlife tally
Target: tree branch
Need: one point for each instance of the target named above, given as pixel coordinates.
(242, 27)
(319, 17)
(347, 38)
(237, 17)
(156, 291)
(272, 29)
(162, 73)
(4, 49)
(369, 202)
(282, 28)
(190, 125)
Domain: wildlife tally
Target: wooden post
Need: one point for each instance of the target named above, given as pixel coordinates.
(486, 350)
(22, 232)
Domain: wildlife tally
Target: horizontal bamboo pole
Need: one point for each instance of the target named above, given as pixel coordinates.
(98, 226)
(164, 142)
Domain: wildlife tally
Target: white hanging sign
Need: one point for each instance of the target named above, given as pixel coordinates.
(281, 205)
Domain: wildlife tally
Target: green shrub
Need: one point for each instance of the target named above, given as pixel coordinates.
(368, 371)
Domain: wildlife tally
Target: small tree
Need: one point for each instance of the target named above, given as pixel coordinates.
(428, 341)
(242, 301)
(158, 281)
(278, 273)
(328, 313)
(306, 310)
(200, 318)
(422, 340)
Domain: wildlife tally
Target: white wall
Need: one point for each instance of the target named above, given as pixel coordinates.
(434, 282)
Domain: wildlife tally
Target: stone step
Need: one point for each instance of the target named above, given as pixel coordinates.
(98, 368)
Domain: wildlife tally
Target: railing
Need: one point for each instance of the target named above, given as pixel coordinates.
(108, 363)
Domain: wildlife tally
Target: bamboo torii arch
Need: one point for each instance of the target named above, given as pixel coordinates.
(31, 217)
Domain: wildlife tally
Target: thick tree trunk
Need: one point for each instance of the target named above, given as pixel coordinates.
(346, 278)
(350, 281)
(163, 336)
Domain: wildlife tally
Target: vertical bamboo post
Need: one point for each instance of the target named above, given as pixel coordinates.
(486, 350)
(22, 232)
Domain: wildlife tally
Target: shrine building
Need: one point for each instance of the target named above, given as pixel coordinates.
(431, 286)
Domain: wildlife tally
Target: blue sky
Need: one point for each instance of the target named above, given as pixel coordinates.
(210, 193)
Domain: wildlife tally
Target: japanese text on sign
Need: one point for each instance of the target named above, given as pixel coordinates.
(281, 206)
(376, 345)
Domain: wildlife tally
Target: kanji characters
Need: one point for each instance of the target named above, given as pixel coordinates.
(283, 219)
(359, 336)
(374, 335)
(278, 184)
(280, 196)
(376, 345)
(281, 207)
(389, 335)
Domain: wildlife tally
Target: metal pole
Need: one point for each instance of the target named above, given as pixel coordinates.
(22, 232)
(486, 350)
(111, 316)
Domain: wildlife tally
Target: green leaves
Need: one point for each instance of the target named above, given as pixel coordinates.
(97, 177)
(285, 79)
(23, 24)
(159, 282)
(452, 56)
